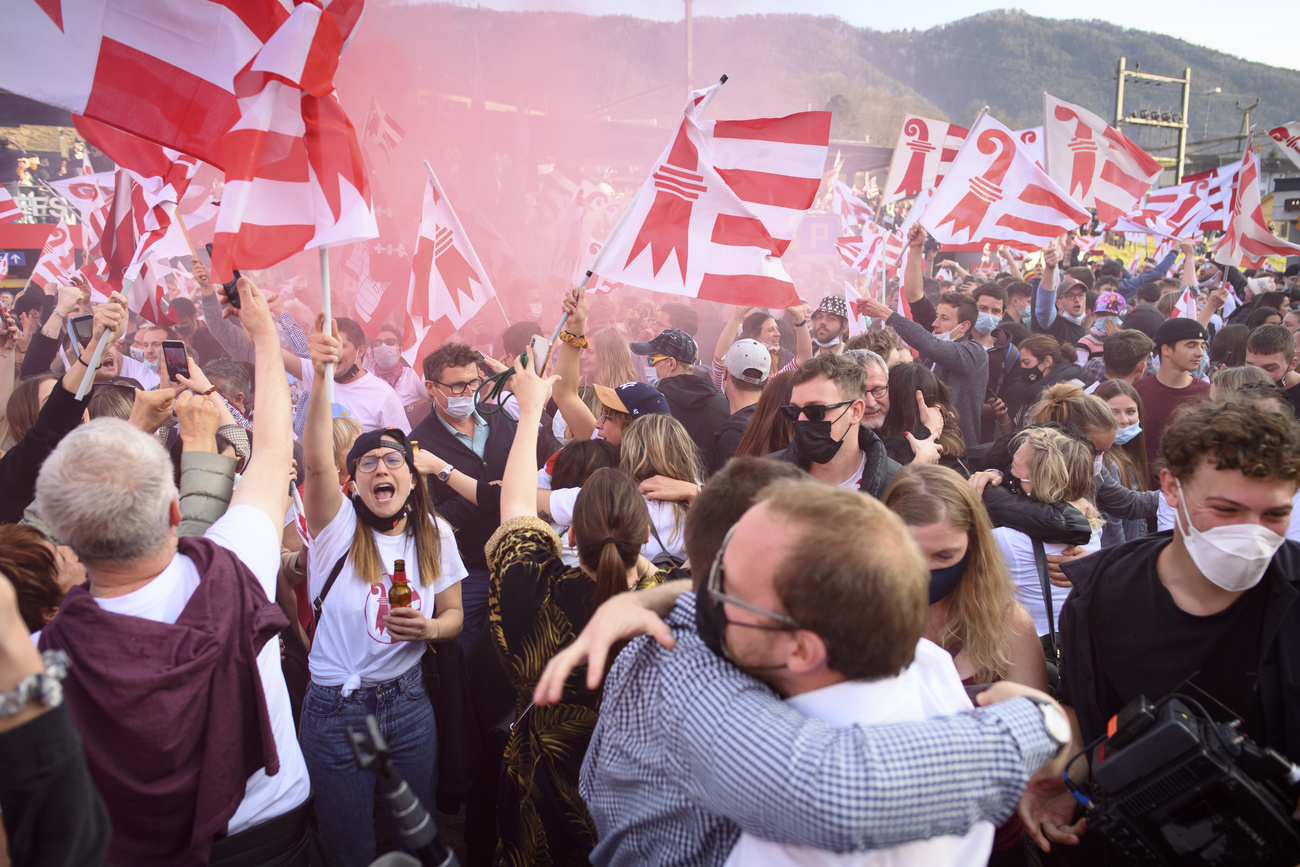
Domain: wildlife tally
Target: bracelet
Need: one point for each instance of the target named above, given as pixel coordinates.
(208, 392)
(801, 324)
(42, 686)
(575, 340)
(62, 316)
(87, 364)
(437, 628)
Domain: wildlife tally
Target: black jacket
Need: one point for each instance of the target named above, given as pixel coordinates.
(1099, 583)
(20, 465)
(733, 429)
(699, 407)
(474, 525)
(876, 474)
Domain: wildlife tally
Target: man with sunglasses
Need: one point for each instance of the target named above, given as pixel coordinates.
(827, 404)
(670, 367)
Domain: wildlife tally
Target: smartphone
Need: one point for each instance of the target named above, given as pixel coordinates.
(176, 360)
(80, 329)
(231, 290)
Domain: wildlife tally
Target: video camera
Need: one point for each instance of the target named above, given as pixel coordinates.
(1169, 786)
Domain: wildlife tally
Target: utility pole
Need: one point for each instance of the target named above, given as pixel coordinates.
(1205, 133)
(1245, 120)
(690, 77)
(1167, 120)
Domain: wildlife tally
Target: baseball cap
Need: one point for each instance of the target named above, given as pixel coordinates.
(634, 398)
(1110, 302)
(749, 361)
(833, 304)
(672, 342)
(373, 439)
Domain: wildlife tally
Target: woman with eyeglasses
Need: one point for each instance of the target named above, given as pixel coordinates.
(366, 651)
(539, 606)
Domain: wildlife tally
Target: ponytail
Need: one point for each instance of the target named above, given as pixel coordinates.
(611, 523)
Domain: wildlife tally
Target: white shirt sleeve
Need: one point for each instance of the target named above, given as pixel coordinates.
(562, 502)
(251, 535)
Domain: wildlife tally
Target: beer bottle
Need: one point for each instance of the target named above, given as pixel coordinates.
(399, 595)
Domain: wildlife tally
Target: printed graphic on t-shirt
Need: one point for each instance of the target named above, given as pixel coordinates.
(377, 609)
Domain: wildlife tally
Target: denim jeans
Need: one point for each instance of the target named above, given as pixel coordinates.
(345, 795)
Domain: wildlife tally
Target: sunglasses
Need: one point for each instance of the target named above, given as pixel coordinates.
(370, 463)
(383, 341)
(815, 412)
(656, 359)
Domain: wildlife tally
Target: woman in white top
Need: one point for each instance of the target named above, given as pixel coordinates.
(365, 655)
(1050, 467)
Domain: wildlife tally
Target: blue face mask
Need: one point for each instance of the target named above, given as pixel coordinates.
(1077, 320)
(944, 581)
(651, 375)
(1125, 434)
(986, 322)
(1024, 316)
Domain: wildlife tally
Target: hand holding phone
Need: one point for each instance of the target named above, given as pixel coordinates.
(178, 363)
(80, 329)
(231, 289)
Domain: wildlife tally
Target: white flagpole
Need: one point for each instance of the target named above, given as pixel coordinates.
(89, 379)
(326, 309)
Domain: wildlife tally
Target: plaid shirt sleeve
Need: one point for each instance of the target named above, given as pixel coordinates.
(689, 751)
(294, 339)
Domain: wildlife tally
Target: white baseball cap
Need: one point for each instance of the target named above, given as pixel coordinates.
(749, 361)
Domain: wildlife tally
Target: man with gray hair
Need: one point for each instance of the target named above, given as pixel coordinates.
(175, 682)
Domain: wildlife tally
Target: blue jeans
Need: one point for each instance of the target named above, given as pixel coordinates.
(474, 601)
(345, 795)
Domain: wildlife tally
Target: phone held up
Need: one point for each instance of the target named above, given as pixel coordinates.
(232, 292)
(178, 364)
(80, 329)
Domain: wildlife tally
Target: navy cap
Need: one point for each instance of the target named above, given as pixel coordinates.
(371, 440)
(634, 398)
(672, 342)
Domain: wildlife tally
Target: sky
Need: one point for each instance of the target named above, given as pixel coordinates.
(1212, 24)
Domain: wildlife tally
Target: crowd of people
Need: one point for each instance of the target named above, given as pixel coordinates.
(698, 586)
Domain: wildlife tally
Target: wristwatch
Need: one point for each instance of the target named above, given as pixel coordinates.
(1055, 723)
(445, 473)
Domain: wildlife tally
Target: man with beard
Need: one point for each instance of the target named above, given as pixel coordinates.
(829, 325)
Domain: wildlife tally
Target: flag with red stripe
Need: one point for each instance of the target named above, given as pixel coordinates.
(1287, 137)
(922, 156)
(295, 178)
(1094, 163)
(9, 210)
(1185, 306)
(1247, 239)
(448, 282)
(720, 208)
(852, 210)
(58, 258)
(995, 194)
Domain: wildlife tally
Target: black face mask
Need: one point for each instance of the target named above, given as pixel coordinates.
(710, 622)
(346, 375)
(1032, 374)
(375, 522)
(944, 581)
(813, 441)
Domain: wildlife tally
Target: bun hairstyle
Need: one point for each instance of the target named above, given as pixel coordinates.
(1067, 402)
(611, 523)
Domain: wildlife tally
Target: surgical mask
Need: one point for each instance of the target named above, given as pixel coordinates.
(1125, 434)
(813, 441)
(386, 356)
(1233, 557)
(1024, 316)
(137, 353)
(947, 335)
(535, 309)
(944, 581)
(153, 365)
(986, 322)
(1203, 369)
(832, 342)
(651, 375)
(460, 407)
(1096, 465)
(370, 519)
(1077, 320)
(1099, 324)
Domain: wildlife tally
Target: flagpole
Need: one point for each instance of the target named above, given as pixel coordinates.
(185, 232)
(100, 348)
(328, 312)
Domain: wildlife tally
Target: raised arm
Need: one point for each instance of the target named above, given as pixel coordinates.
(1217, 296)
(1189, 264)
(228, 334)
(1045, 300)
(802, 334)
(1010, 261)
(576, 414)
(728, 335)
(265, 481)
(321, 496)
(914, 273)
(519, 483)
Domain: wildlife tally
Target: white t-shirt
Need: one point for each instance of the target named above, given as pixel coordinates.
(929, 687)
(352, 648)
(661, 515)
(369, 400)
(1018, 549)
(140, 372)
(854, 482)
(410, 385)
(250, 535)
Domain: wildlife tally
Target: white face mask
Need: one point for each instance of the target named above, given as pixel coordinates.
(1232, 557)
(1096, 465)
(460, 407)
(651, 375)
(385, 355)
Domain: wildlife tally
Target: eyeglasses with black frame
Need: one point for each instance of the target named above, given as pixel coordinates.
(814, 412)
(713, 587)
(460, 389)
(369, 463)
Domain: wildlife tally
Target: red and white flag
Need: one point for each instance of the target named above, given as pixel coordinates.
(448, 282)
(163, 70)
(1185, 306)
(164, 174)
(295, 178)
(382, 129)
(873, 189)
(722, 205)
(1031, 142)
(852, 210)
(9, 210)
(1247, 240)
(1095, 164)
(994, 194)
(4, 265)
(922, 157)
(851, 305)
(1214, 189)
(92, 196)
(58, 259)
(1287, 137)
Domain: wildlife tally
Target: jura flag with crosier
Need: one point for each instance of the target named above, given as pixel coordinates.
(722, 205)
(58, 258)
(448, 283)
(1186, 305)
(1247, 240)
(995, 194)
(1031, 142)
(1095, 164)
(9, 210)
(1287, 137)
(922, 157)
(852, 210)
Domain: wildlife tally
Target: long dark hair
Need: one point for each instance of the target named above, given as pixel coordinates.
(1130, 458)
(611, 523)
(579, 459)
(768, 431)
(905, 380)
(1229, 345)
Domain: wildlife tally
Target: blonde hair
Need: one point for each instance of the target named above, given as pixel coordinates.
(1067, 402)
(978, 619)
(1231, 379)
(1060, 469)
(345, 431)
(658, 445)
(614, 357)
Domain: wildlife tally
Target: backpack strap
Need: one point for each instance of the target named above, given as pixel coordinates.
(1040, 560)
(319, 601)
(663, 549)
